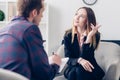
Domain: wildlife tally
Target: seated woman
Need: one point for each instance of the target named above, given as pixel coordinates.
(80, 43)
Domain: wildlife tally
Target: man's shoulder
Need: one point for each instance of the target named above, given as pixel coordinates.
(22, 25)
(16, 28)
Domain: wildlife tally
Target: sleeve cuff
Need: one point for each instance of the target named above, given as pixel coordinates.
(56, 67)
(86, 46)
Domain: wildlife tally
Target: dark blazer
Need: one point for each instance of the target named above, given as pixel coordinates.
(73, 51)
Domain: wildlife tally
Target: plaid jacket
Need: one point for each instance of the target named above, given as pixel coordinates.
(22, 51)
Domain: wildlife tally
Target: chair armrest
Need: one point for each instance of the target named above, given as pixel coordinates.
(60, 51)
(108, 57)
(10, 75)
(113, 71)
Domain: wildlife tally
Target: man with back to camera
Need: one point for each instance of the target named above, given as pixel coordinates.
(21, 44)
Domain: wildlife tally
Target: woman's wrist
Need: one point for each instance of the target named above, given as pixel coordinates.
(88, 40)
(79, 60)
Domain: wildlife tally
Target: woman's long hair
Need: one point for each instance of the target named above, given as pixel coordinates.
(90, 19)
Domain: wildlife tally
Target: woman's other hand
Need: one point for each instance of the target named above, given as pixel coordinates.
(85, 64)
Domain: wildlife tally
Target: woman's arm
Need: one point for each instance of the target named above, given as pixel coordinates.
(87, 49)
(68, 50)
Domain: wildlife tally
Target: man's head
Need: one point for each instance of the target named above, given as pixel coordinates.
(31, 9)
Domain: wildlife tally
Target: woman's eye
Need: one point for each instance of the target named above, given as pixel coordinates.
(82, 16)
(76, 13)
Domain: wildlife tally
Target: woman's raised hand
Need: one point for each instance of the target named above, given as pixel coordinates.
(92, 32)
(94, 29)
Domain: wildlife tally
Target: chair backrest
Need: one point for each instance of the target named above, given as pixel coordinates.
(10, 75)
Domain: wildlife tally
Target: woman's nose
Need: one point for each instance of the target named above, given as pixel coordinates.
(77, 17)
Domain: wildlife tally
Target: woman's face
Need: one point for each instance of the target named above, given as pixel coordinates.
(80, 18)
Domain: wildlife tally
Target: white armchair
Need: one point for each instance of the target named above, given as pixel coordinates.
(10, 75)
(107, 56)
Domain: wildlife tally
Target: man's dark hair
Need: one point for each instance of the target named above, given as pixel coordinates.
(24, 7)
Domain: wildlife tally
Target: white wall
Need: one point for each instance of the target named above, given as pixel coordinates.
(61, 13)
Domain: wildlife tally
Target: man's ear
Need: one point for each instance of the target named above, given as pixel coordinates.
(34, 13)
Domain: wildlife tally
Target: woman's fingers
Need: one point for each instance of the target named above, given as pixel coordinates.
(98, 26)
(84, 67)
(88, 68)
(95, 27)
(91, 65)
(92, 26)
